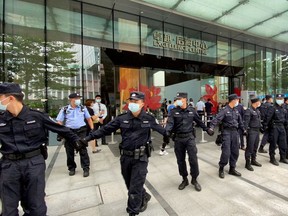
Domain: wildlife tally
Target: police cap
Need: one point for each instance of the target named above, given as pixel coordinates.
(181, 95)
(254, 100)
(74, 95)
(233, 97)
(136, 95)
(10, 88)
(267, 97)
(279, 96)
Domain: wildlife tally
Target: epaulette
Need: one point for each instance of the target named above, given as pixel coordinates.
(39, 111)
(123, 112)
(2, 112)
(150, 113)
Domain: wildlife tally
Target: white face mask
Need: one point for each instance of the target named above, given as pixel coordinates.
(77, 102)
(133, 107)
(236, 104)
(279, 102)
(179, 103)
(98, 100)
(3, 107)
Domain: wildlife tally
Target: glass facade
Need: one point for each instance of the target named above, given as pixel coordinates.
(53, 48)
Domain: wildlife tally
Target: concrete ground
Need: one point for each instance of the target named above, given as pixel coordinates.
(103, 193)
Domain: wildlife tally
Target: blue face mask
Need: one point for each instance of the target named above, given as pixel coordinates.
(3, 107)
(179, 103)
(134, 107)
(280, 102)
(77, 102)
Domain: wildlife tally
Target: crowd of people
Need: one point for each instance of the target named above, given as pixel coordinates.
(24, 138)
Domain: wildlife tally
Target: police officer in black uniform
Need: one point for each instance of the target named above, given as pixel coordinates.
(23, 135)
(263, 110)
(231, 121)
(252, 124)
(180, 123)
(135, 126)
(286, 127)
(275, 122)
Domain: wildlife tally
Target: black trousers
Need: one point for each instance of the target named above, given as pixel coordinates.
(181, 146)
(252, 144)
(278, 137)
(70, 153)
(265, 138)
(230, 148)
(134, 172)
(24, 181)
(96, 127)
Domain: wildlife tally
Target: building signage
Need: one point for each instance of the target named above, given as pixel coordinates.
(179, 43)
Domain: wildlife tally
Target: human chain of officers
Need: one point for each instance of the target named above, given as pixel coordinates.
(24, 139)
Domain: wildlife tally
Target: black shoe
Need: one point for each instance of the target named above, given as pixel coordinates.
(145, 202)
(131, 214)
(274, 162)
(85, 172)
(197, 186)
(248, 165)
(183, 184)
(284, 160)
(71, 172)
(262, 150)
(221, 173)
(232, 171)
(255, 163)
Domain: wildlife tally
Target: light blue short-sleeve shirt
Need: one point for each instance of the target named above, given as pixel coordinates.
(74, 117)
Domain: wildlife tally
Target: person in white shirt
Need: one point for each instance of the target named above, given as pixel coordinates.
(200, 107)
(100, 113)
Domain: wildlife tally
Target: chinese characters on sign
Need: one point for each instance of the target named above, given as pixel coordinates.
(179, 43)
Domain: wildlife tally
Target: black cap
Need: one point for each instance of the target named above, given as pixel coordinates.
(74, 95)
(267, 97)
(233, 97)
(136, 96)
(279, 96)
(254, 100)
(181, 95)
(8, 88)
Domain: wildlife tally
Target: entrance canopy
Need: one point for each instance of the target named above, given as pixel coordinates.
(263, 18)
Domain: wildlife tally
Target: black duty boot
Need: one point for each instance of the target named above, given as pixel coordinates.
(197, 186)
(273, 161)
(145, 201)
(262, 150)
(283, 160)
(221, 172)
(183, 184)
(248, 165)
(232, 171)
(255, 163)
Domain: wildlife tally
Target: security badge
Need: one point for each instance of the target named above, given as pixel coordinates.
(31, 122)
(125, 121)
(133, 95)
(2, 124)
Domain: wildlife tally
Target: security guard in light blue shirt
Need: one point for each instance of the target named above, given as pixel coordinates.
(73, 116)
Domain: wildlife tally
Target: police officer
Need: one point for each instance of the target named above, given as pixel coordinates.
(180, 122)
(275, 122)
(263, 110)
(73, 116)
(231, 121)
(135, 126)
(286, 127)
(252, 124)
(23, 134)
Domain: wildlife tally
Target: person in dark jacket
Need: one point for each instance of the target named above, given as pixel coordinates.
(23, 138)
(135, 148)
(231, 122)
(252, 124)
(180, 123)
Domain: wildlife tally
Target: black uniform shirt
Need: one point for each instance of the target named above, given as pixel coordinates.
(135, 131)
(275, 115)
(252, 119)
(180, 121)
(230, 118)
(263, 109)
(28, 131)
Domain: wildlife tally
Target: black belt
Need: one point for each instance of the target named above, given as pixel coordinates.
(23, 155)
(79, 129)
(184, 135)
(230, 128)
(136, 153)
